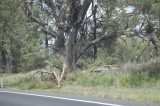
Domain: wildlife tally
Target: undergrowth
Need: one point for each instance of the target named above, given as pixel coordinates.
(142, 78)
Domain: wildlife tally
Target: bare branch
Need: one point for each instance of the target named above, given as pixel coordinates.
(41, 73)
(32, 17)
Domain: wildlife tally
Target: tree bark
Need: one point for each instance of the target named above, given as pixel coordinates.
(4, 60)
(70, 53)
(3, 53)
(94, 9)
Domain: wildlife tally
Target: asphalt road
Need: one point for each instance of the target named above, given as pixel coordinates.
(33, 98)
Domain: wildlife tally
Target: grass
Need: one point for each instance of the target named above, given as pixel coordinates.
(138, 82)
(109, 85)
(150, 94)
(25, 81)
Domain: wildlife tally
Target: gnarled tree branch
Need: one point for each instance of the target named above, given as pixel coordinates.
(32, 17)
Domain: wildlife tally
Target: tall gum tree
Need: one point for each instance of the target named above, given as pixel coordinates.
(67, 17)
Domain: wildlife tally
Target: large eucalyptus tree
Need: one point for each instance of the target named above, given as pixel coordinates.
(69, 23)
(63, 20)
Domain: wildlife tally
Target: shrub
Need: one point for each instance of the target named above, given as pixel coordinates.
(138, 74)
(127, 49)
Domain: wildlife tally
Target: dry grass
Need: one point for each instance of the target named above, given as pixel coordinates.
(141, 66)
(149, 94)
(139, 82)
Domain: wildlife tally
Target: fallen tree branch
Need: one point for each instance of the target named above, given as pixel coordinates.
(41, 73)
(56, 75)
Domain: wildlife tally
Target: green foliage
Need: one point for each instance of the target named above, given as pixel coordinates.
(109, 4)
(156, 9)
(55, 60)
(20, 39)
(128, 49)
(147, 6)
(149, 28)
(104, 58)
(32, 61)
(131, 79)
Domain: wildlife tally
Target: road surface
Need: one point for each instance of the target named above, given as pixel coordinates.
(33, 98)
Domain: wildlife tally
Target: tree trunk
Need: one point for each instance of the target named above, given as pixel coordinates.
(94, 31)
(3, 55)
(4, 60)
(70, 53)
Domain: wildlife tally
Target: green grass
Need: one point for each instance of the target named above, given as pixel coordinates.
(93, 79)
(25, 81)
(139, 82)
(115, 85)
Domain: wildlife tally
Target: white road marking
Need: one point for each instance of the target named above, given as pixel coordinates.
(62, 98)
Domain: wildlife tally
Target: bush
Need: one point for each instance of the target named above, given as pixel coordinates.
(127, 49)
(32, 61)
(143, 73)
